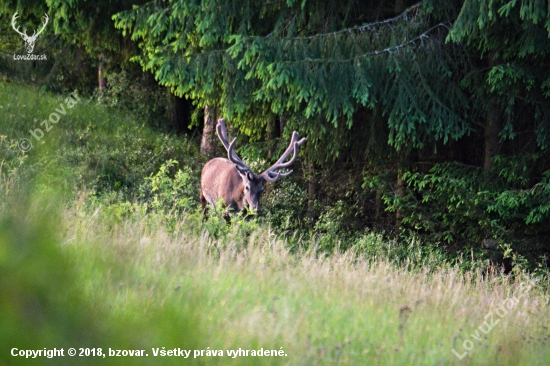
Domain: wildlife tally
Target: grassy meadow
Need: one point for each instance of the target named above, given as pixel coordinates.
(102, 246)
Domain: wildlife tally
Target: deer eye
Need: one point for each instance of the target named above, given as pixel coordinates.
(247, 188)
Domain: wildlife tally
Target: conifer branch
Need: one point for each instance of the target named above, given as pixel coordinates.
(421, 38)
(434, 96)
(360, 28)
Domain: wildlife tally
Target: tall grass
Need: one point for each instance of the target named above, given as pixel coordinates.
(45, 305)
(337, 309)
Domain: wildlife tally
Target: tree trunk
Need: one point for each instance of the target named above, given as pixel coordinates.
(312, 193)
(282, 125)
(492, 131)
(178, 112)
(493, 125)
(53, 70)
(208, 135)
(271, 135)
(102, 82)
(275, 128)
(273, 132)
(377, 205)
(400, 195)
(181, 114)
(402, 166)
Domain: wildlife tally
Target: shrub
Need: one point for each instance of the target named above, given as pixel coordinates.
(465, 207)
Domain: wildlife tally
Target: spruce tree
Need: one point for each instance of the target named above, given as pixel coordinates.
(317, 63)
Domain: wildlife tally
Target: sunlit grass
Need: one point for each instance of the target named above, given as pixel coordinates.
(342, 308)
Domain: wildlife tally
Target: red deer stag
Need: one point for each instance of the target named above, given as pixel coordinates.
(232, 180)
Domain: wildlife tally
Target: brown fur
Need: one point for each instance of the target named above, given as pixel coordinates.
(221, 179)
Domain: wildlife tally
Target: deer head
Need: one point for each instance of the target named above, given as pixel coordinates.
(29, 40)
(232, 180)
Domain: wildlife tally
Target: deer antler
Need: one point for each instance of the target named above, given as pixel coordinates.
(24, 33)
(231, 154)
(46, 18)
(272, 174)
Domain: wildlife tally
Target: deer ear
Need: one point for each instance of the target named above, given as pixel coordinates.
(243, 174)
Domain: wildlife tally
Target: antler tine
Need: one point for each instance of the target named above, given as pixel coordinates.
(46, 18)
(293, 146)
(222, 132)
(13, 24)
(229, 146)
(234, 158)
(272, 174)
